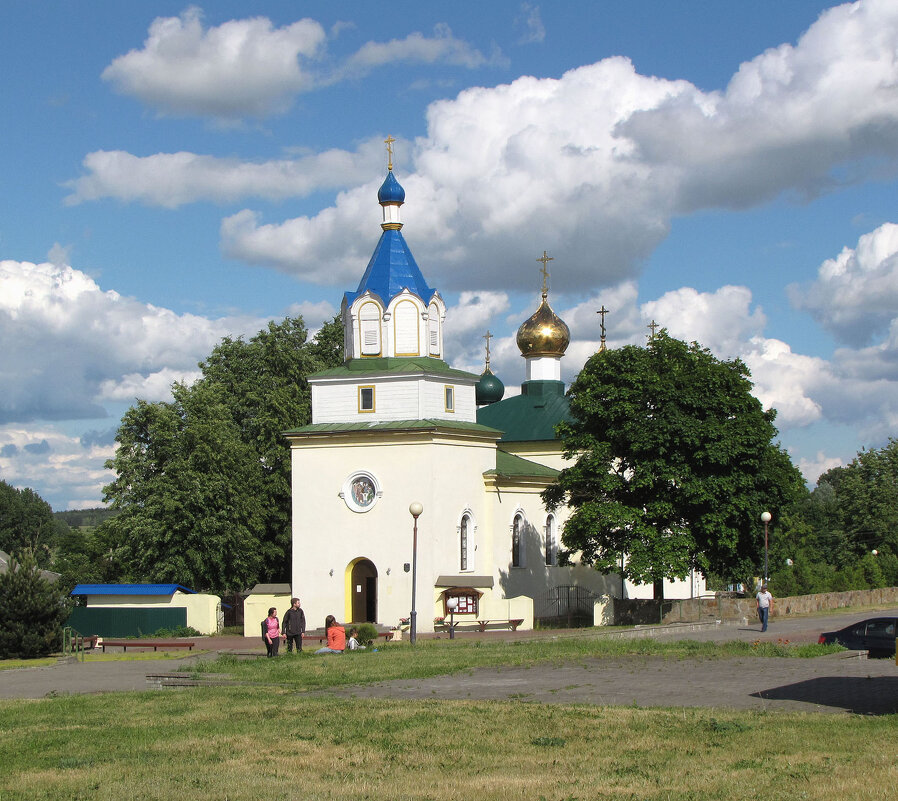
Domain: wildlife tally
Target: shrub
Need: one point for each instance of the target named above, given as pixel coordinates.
(177, 631)
(367, 633)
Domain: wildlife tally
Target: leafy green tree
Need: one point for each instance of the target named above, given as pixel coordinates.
(675, 461)
(867, 500)
(32, 610)
(26, 522)
(202, 482)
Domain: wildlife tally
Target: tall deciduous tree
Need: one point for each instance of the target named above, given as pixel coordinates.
(26, 522)
(674, 462)
(203, 481)
(867, 500)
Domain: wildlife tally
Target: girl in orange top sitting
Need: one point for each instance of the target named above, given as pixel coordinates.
(336, 637)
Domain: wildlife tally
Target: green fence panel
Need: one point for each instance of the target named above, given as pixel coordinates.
(124, 621)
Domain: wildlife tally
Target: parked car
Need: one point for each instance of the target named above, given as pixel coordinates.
(876, 635)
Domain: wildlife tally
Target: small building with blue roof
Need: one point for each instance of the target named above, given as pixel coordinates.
(134, 610)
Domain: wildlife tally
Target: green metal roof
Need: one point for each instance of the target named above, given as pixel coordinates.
(395, 425)
(530, 416)
(511, 466)
(386, 365)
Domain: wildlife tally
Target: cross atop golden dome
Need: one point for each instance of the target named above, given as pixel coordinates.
(544, 333)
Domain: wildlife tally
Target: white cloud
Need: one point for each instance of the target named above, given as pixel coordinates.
(530, 20)
(814, 467)
(242, 67)
(248, 67)
(173, 179)
(442, 47)
(791, 383)
(155, 386)
(468, 322)
(595, 164)
(855, 296)
(313, 314)
(63, 471)
(721, 321)
(77, 345)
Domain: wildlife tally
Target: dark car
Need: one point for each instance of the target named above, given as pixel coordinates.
(876, 635)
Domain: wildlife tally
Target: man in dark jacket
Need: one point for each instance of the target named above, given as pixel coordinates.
(294, 624)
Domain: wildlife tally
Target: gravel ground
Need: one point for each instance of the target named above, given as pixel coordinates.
(839, 683)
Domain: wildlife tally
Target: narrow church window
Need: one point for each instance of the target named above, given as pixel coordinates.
(433, 329)
(366, 399)
(517, 532)
(463, 540)
(450, 399)
(369, 329)
(550, 540)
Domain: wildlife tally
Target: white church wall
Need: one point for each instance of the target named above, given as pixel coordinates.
(407, 398)
(445, 476)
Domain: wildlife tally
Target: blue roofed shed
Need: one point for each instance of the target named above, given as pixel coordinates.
(135, 610)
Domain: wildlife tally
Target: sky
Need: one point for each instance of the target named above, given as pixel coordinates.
(171, 174)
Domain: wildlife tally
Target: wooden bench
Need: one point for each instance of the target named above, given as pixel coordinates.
(502, 623)
(154, 644)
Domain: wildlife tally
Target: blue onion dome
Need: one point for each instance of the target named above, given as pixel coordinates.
(489, 389)
(544, 334)
(390, 191)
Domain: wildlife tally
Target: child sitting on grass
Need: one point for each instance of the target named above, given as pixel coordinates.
(353, 644)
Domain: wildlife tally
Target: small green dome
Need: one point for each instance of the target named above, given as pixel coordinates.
(489, 388)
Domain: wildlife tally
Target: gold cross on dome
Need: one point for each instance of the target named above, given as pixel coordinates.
(545, 272)
(603, 311)
(488, 336)
(389, 143)
(654, 326)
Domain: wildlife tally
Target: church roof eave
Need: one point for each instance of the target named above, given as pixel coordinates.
(431, 425)
(394, 367)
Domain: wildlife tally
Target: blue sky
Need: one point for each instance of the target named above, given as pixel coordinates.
(172, 174)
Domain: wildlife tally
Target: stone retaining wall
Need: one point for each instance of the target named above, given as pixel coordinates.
(630, 612)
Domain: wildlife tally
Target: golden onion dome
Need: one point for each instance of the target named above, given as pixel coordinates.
(544, 334)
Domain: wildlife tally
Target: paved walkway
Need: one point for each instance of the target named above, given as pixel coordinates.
(836, 683)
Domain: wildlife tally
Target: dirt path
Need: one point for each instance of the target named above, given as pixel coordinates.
(837, 683)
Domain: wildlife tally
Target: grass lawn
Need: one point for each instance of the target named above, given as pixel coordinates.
(277, 742)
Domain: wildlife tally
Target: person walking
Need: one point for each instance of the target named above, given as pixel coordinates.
(294, 625)
(271, 632)
(765, 606)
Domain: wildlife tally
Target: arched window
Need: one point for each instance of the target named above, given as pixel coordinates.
(517, 541)
(464, 541)
(551, 547)
(405, 320)
(369, 329)
(433, 330)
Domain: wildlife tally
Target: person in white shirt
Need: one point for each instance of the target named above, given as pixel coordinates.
(353, 643)
(765, 606)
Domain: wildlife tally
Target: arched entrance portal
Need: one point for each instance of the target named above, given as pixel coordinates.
(363, 591)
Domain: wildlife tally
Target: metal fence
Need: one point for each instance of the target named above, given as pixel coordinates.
(125, 621)
(567, 606)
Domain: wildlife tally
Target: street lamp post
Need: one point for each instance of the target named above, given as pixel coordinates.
(765, 519)
(452, 605)
(415, 510)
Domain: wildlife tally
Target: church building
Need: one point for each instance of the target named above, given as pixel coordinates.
(395, 426)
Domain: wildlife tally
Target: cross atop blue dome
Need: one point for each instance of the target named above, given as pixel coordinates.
(391, 190)
(392, 267)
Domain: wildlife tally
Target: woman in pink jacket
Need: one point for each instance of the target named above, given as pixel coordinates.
(271, 632)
